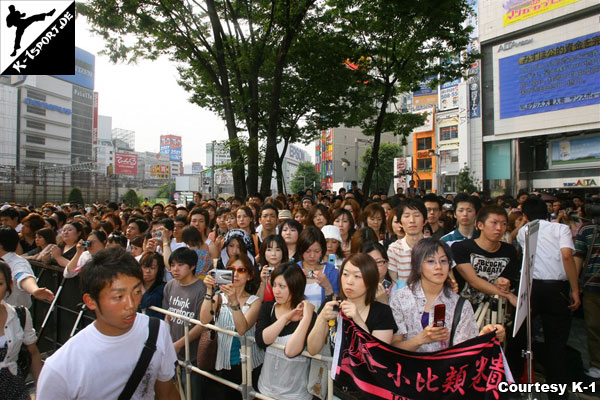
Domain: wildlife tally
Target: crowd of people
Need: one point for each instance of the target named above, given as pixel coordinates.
(280, 270)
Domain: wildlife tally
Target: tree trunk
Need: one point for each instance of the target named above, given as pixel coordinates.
(279, 167)
(376, 139)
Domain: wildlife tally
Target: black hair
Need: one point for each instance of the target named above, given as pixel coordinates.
(101, 236)
(137, 241)
(432, 198)
(159, 206)
(295, 280)
(268, 206)
(167, 223)
(5, 270)
(104, 267)
(260, 196)
(47, 234)
(466, 198)
(11, 213)
(412, 204)
(9, 238)
(112, 205)
(267, 242)
(52, 223)
(180, 218)
(160, 274)
(370, 246)
(485, 212)
(191, 236)
(117, 237)
(292, 223)
(62, 217)
(183, 255)
(141, 224)
(535, 208)
(427, 247)
(310, 235)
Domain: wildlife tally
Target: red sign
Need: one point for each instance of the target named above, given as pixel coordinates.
(125, 164)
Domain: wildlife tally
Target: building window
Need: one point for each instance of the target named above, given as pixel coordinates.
(425, 184)
(449, 132)
(36, 125)
(36, 95)
(423, 164)
(424, 143)
(35, 110)
(35, 154)
(35, 139)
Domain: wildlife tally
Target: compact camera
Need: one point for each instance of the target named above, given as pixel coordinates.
(222, 276)
(86, 243)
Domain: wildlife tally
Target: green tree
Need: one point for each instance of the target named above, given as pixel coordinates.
(75, 196)
(466, 181)
(131, 198)
(165, 191)
(306, 173)
(384, 173)
(398, 45)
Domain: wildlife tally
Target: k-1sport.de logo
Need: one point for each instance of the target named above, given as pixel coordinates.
(37, 37)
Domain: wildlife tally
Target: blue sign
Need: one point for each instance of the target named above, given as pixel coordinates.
(85, 65)
(424, 89)
(175, 154)
(43, 104)
(556, 77)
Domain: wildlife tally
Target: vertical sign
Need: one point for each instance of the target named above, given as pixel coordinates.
(95, 123)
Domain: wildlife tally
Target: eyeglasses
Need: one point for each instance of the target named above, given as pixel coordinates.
(381, 262)
(240, 270)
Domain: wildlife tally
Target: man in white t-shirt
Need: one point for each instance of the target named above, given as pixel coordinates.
(98, 361)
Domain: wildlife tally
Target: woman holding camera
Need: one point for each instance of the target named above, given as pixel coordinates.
(428, 285)
(273, 252)
(322, 278)
(235, 309)
(71, 235)
(286, 321)
(85, 249)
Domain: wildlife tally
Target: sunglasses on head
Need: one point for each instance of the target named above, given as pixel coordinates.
(240, 270)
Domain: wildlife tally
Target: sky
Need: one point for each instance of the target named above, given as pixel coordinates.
(146, 98)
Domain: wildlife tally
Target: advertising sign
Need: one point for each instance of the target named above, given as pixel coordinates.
(401, 165)
(171, 145)
(428, 125)
(575, 152)
(196, 168)
(95, 122)
(159, 171)
(125, 164)
(449, 97)
(555, 77)
(519, 10)
(474, 86)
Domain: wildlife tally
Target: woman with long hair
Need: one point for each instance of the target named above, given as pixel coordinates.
(290, 232)
(427, 286)
(353, 206)
(344, 220)
(318, 216)
(286, 321)
(235, 309)
(43, 238)
(374, 217)
(29, 226)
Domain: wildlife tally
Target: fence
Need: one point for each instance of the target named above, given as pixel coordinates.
(57, 322)
(245, 387)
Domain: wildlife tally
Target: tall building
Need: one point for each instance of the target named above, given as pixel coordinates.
(125, 135)
(541, 103)
(8, 123)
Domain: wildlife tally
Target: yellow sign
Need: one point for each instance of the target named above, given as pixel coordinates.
(515, 11)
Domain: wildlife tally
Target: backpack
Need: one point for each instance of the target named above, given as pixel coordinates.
(24, 359)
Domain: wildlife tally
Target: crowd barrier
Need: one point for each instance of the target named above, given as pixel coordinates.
(245, 388)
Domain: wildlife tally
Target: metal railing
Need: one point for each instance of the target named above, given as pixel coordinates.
(245, 387)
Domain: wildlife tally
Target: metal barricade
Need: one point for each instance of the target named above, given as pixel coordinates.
(245, 387)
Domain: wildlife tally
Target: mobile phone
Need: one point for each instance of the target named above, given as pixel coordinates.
(332, 259)
(310, 274)
(439, 315)
(386, 284)
(86, 243)
(222, 276)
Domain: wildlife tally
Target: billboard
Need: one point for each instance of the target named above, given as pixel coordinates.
(126, 164)
(324, 158)
(85, 65)
(575, 152)
(520, 10)
(449, 95)
(556, 77)
(159, 171)
(428, 125)
(196, 168)
(171, 145)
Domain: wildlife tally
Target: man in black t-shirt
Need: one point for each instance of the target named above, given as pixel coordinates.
(486, 266)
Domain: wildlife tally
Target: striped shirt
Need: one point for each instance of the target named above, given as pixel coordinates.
(582, 243)
(399, 255)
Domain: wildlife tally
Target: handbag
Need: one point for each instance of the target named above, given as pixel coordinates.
(144, 360)
(456, 319)
(24, 359)
(206, 356)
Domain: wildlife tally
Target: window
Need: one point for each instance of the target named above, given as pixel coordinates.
(448, 157)
(425, 184)
(35, 110)
(449, 132)
(35, 154)
(424, 143)
(36, 95)
(423, 164)
(35, 139)
(36, 125)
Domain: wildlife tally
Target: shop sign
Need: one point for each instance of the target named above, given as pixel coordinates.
(581, 183)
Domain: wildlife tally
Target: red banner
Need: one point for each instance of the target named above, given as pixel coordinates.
(125, 164)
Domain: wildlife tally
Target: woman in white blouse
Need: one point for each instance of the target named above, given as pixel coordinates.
(234, 309)
(428, 285)
(12, 335)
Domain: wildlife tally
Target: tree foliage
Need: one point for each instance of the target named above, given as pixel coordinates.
(311, 177)
(466, 181)
(166, 190)
(75, 196)
(131, 198)
(384, 173)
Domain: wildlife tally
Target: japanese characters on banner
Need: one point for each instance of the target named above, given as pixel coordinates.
(470, 370)
(126, 164)
(449, 95)
(519, 10)
(159, 171)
